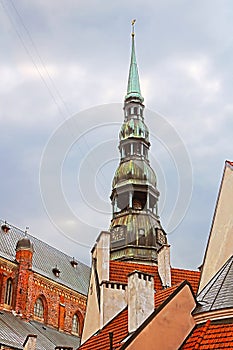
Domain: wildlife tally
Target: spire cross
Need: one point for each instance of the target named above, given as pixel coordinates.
(133, 22)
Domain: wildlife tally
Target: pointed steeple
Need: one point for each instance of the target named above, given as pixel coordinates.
(133, 89)
(136, 232)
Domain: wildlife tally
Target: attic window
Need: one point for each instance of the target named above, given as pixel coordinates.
(56, 271)
(5, 227)
(74, 263)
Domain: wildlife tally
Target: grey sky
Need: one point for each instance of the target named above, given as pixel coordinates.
(59, 58)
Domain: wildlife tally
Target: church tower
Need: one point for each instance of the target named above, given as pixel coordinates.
(136, 232)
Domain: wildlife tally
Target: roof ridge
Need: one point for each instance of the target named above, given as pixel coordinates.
(203, 332)
(212, 281)
(183, 269)
(45, 258)
(40, 240)
(227, 267)
(168, 288)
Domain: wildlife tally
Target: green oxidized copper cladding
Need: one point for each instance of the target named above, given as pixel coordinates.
(133, 89)
(134, 222)
(132, 170)
(134, 128)
(136, 232)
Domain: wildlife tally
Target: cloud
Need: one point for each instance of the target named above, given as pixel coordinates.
(184, 53)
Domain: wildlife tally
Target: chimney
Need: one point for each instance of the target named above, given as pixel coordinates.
(164, 266)
(140, 298)
(103, 256)
(30, 342)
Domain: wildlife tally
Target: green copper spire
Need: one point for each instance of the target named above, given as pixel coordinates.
(133, 89)
(135, 230)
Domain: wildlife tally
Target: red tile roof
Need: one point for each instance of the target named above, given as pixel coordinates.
(162, 295)
(119, 271)
(179, 275)
(100, 341)
(119, 325)
(210, 336)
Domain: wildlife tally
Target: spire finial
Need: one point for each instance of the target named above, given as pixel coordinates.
(133, 23)
(26, 231)
(133, 88)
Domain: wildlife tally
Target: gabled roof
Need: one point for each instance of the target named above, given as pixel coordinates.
(119, 271)
(47, 337)
(45, 258)
(218, 293)
(119, 324)
(220, 243)
(210, 336)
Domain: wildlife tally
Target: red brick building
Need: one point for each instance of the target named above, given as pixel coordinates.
(42, 288)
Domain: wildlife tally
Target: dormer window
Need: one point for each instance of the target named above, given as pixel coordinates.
(56, 271)
(74, 263)
(5, 228)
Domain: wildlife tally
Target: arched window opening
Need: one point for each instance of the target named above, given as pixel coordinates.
(39, 308)
(75, 325)
(9, 292)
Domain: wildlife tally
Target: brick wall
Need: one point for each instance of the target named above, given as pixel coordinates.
(60, 302)
(24, 259)
(7, 270)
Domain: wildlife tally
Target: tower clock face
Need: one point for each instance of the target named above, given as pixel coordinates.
(118, 233)
(161, 237)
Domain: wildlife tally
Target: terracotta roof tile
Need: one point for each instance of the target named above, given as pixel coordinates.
(162, 295)
(210, 336)
(179, 275)
(119, 325)
(100, 341)
(119, 271)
